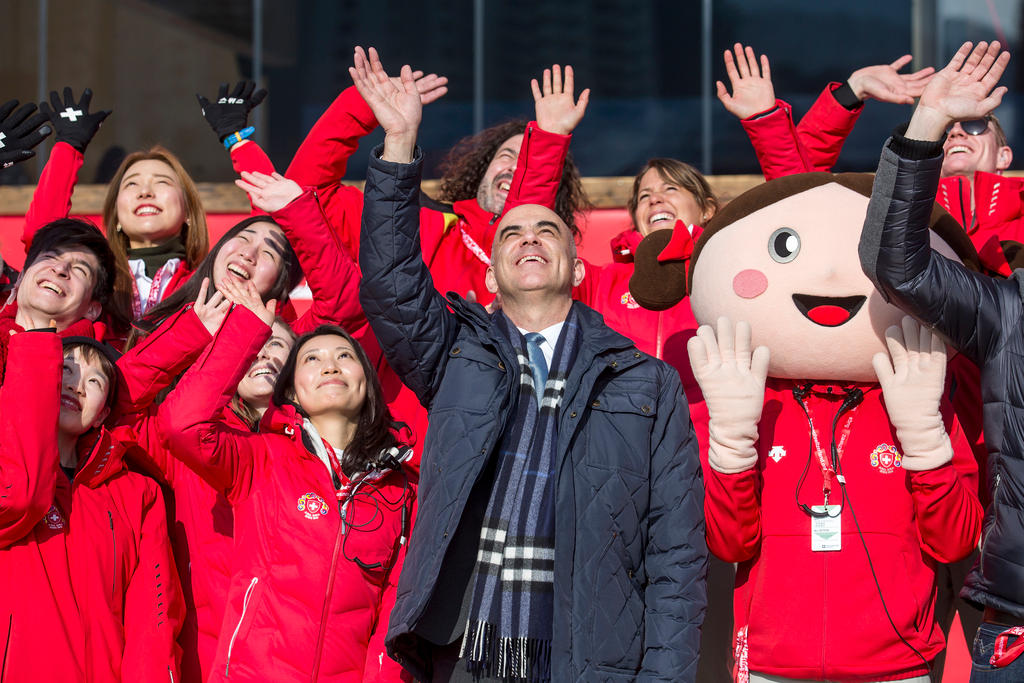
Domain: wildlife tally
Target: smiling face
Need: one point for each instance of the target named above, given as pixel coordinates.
(60, 286)
(257, 386)
(83, 394)
(660, 202)
(150, 203)
(792, 271)
(494, 187)
(964, 154)
(256, 253)
(533, 251)
(329, 377)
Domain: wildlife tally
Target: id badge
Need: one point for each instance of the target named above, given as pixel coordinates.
(826, 532)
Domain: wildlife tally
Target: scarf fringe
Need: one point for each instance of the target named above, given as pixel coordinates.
(505, 657)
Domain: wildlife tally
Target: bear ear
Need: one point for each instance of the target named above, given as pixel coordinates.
(658, 285)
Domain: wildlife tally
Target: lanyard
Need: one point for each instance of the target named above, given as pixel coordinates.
(473, 246)
(825, 459)
(1003, 655)
(165, 272)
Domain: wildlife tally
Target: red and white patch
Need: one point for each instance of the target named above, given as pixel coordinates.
(312, 505)
(777, 453)
(53, 518)
(886, 459)
(740, 653)
(628, 301)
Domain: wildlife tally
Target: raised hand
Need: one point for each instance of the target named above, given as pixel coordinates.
(752, 89)
(74, 123)
(964, 89)
(20, 132)
(732, 379)
(557, 110)
(397, 107)
(913, 379)
(210, 311)
(230, 113)
(884, 83)
(269, 193)
(246, 295)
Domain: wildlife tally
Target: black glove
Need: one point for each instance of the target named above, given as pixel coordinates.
(73, 122)
(20, 132)
(230, 113)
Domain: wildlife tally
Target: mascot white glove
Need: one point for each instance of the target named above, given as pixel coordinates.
(913, 378)
(732, 381)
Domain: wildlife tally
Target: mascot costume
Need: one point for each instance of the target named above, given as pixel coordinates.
(836, 476)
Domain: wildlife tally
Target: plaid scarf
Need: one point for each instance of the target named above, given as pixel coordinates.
(512, 606)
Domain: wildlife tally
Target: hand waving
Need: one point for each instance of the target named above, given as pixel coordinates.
(964, 89)
(913, 378)
(557, 112)
(73, 122)
(884, 83)
(20, 132)
(732, 379)
(269, 192)
(397, 107)
(230, 113)
(752, 89)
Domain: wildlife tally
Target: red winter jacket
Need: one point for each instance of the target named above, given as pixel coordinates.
(88, 585)
(662, 334)
(301, 604)
(9, 328)
(818, 615)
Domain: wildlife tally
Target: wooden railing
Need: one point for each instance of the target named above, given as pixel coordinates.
(226, 198)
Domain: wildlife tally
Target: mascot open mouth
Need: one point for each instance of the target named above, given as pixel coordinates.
(828, 311)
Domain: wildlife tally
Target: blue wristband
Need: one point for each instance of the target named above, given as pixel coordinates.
(238, 136)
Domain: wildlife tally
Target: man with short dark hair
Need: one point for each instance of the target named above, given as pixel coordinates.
(67, 279)
(560, 531)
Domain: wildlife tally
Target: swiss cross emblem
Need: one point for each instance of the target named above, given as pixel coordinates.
(777, 453)
(312, 505)
(886, 459)
(53, 518)
(628, 301)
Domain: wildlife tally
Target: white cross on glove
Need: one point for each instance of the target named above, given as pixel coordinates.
(913, 378)
(732, 380)
(71, 114)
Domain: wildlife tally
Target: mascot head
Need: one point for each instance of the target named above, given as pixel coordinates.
(783, 257)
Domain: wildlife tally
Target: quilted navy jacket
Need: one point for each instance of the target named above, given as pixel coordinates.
(630, 555)
(984, 319)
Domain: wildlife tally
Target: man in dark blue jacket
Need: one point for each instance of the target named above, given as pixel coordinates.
(560, 531)
(981, 316)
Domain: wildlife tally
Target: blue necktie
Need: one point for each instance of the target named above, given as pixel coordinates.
(538, 366)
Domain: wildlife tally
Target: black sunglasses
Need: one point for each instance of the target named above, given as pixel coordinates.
(972, 126)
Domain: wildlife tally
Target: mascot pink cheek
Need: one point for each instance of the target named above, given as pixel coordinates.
(749, 284)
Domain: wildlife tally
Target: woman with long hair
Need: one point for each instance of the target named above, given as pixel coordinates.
(321, 500)
(152, 214)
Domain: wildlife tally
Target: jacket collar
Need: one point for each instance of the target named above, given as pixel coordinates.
(101, 453)
(482, 224)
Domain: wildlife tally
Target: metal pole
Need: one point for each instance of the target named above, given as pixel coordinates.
(924, 27)
(257, 69)
(478, 65)
(42, 69)
(705, 87)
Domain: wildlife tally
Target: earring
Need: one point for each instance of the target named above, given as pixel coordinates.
(118, 227)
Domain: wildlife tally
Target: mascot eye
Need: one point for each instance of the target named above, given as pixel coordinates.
(784, 245)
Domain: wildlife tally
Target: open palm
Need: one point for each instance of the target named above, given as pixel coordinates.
(966, 87)
(396, 105)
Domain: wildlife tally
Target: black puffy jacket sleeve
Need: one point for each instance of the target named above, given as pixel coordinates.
(411, 319)
(895, 252)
